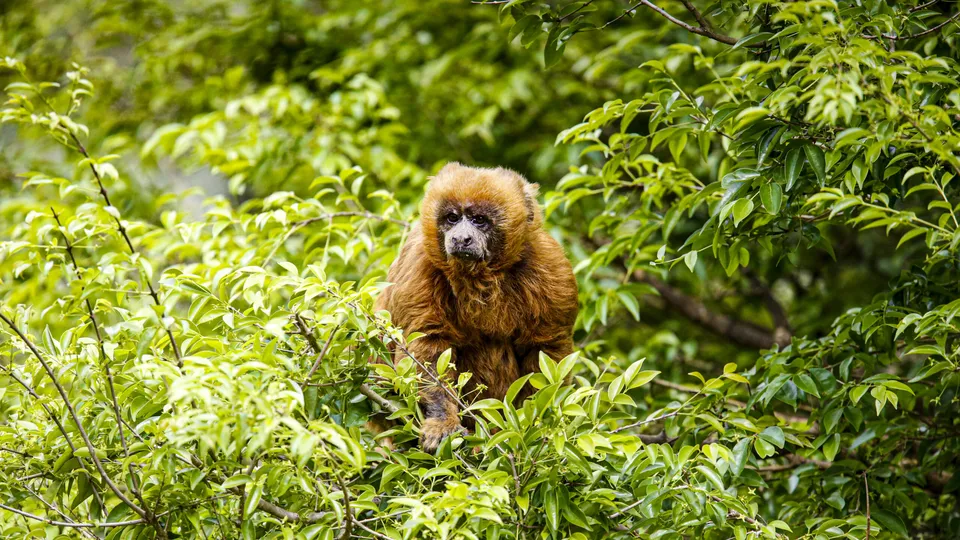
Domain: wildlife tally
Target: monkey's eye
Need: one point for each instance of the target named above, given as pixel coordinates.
(452, 218)
(480, 221)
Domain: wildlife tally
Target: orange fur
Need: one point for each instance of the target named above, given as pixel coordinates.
(496, 315)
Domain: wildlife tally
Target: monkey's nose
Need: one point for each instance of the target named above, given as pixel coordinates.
(464, 242)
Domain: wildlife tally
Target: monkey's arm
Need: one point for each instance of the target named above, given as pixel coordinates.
(440, 409)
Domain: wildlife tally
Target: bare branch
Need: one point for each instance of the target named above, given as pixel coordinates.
(704, 30)
(383, 402)
(742, 332)
(76, 419)
(368, 215)
(701, 20)
(866, 489)
(72, 524)
(282, 513)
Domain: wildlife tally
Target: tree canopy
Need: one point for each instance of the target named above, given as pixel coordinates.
(199, 202)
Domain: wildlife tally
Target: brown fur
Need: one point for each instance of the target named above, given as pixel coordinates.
(496, 315)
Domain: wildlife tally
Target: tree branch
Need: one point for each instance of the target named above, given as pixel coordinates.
(383, 402)
(282, 513)
(72, 524)
(104, 360)
(742, 332)
(368, 215)
(701, 20)
(702, 30)
(76, 419)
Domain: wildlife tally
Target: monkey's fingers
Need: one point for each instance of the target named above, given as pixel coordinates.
(434, 430)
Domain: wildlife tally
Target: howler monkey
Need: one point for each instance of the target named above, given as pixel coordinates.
(479, 275)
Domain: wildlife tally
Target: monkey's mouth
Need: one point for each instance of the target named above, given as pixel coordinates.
(466, 255)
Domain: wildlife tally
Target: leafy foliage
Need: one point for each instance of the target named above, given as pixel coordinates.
(762, 215)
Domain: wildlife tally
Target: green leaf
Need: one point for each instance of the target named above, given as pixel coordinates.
(773, 435)
(771, 195)
(712, 476)
(889, 521)
(553, 48)
(817, 160)
(253, 499)
(741, 452)
(443, 361)
(831, 446)
(763, 448)
(805, 383)
(752, 39)
(629, 301)
(793, 166)
(741, 210)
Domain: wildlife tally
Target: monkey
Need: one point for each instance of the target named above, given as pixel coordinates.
(479, 274)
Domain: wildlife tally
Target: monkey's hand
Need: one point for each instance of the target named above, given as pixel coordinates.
(434, 430)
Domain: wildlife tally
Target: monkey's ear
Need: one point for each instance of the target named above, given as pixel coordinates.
(530, 192)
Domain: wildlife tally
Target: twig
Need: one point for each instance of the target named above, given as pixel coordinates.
(365, 389)
(126, 237)
(76, 419)
(321, 352)
(915, 9)
(72, 524)
(103, 359)
(704, 23)
(282, 513)
(368, 529)
(625, 509)
(383, 402)
(866, 488)
(921, 34)
(742, 332)
(347, 512)
(647, 421)
(368, 215)
(55, 508)
(699, 30)
(574, 12)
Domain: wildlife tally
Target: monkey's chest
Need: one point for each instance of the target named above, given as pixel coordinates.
(493, 319)
(494, 367)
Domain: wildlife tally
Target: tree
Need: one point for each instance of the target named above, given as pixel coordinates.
(762, 216)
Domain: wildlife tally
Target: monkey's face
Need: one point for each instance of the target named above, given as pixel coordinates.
(469, 232)
(478, 219)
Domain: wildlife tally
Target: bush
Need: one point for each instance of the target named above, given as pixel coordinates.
(762, 218)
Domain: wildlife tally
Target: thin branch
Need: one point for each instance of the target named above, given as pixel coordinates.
(742, 332)
(574, 12)
(72, 524)
(55, 508)
(647, 421)
(368, 215)
(915, 9)
(626, 509)
(704, 23)
(699, 30)
(126, 237)
(371, 531)
(383, 402)
(347, 512)
(282, 513)
(926, 32)
(365, 389)
(103, 358)
(76, 419)
(866, 488)
(321, 352)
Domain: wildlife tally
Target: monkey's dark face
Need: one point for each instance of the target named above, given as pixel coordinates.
(469, 232)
